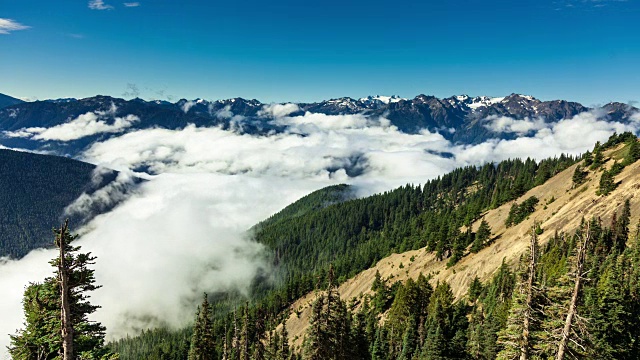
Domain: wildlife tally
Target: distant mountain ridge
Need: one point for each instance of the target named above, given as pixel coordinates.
(6, 100)
(458, 118)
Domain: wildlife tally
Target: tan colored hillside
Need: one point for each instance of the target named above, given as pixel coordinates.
(563, 214)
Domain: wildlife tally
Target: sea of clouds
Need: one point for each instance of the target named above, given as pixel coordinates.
(182, 232)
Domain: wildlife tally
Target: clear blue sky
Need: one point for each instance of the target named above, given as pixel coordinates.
(583, 50)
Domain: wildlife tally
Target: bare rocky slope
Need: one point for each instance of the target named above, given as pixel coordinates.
(561, 209)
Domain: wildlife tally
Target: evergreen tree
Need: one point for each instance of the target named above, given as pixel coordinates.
(607, 183)
(633, 153)
(482, 236)
(42, 337)
(579, 176)
(588, 158)
(598, 157)
(202, 346)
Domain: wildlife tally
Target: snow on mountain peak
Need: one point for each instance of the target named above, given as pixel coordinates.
(382, 98)
(483, 101)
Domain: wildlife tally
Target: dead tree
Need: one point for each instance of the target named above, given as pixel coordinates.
(65, 307)
(533, 249)
(571, 314)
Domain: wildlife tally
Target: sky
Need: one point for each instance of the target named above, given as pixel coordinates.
(276, 51)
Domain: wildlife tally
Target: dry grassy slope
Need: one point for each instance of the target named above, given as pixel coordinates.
(563, 214)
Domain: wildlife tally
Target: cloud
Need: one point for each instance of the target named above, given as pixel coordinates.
(87, 124)
(187, 106)
(89, 204)
(505, 124)
(183, 229)
(99, 5)
(278, 110)
(9, 25)
(131, 4)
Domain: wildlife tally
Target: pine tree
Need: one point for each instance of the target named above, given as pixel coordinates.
(633, 153)
(482, 236)
(607, 183)
(47, 322)
(588, 158)
(598, 157)
(202, 345)
(579, 176)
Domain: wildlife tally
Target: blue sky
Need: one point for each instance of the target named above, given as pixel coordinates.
(582, 50)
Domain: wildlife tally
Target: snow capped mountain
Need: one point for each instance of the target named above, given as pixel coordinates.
(381, 99)
(460, 118)
(482, 101)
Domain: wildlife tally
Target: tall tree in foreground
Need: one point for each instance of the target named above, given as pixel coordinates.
(56, 311)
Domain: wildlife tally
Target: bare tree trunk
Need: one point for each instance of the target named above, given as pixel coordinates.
(566, 332)
(235, 342)
(67, 326)
(225, 350)
(524, 347)
(244, 354)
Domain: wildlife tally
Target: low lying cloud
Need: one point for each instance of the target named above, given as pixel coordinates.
(9, 25)
(505, 124)
(278, 110)
(182, 232)
(109, 193)
(88, 124)
(187, 106)
(131, 4)
(99, 5)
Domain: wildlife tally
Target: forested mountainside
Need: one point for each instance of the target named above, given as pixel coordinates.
(34, 191)
(315, 201)
(449, 219)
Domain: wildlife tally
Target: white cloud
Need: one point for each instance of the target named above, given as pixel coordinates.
(131, 4)
(187, 106)
(509, 125)
(99, 5)
(87, 124)
(9, 25)
(278, 110)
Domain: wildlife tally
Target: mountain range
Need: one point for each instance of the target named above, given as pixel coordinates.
(460, 119)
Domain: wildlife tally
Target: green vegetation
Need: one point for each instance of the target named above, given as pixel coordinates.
(483, 235)
(42, 337)
(34, 191)
(351, 236)
(325, 238)
(519, 212)
(579, 176)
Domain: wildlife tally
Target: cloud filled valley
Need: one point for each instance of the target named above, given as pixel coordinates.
(182, 232)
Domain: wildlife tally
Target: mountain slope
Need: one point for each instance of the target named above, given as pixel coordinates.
(563, 214)
(34, 191)
(315, 201)
(6, 100)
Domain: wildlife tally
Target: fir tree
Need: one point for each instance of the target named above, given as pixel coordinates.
(579, 176)
(598, 157)
(202, 345)
(633, 152)
(43, 335)
(607, 183)
(482, 236)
